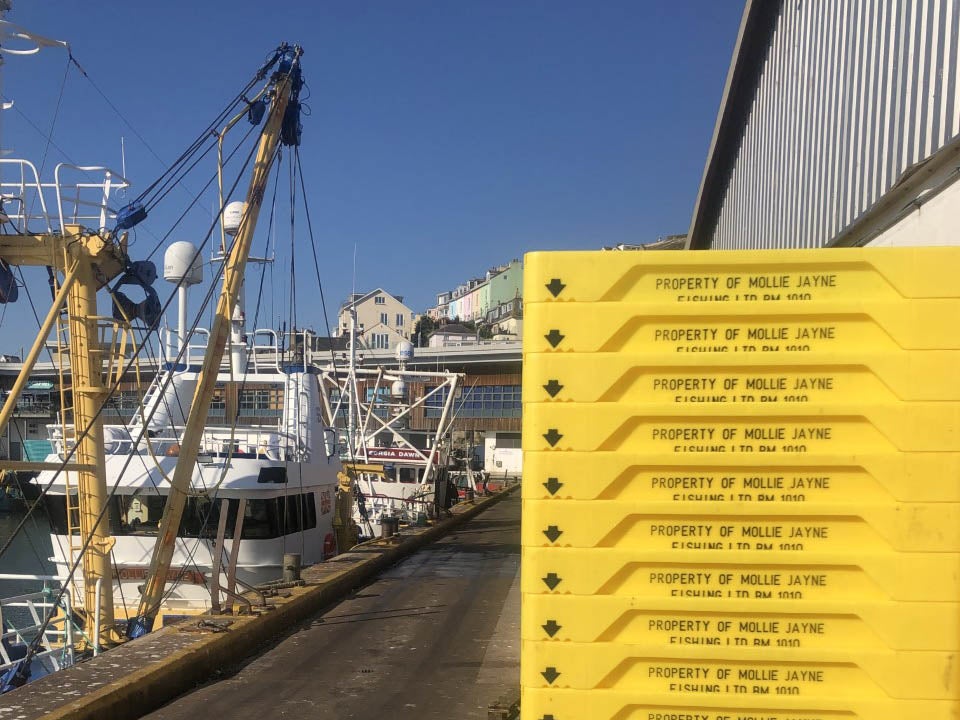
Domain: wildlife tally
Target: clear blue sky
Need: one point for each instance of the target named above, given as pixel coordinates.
(445, 137)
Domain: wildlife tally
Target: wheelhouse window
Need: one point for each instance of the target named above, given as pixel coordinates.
(140, 514)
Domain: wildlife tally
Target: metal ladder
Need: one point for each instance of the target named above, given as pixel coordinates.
(83, 201)
(67, 429)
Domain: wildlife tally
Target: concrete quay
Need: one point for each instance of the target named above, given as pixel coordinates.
(138, 677)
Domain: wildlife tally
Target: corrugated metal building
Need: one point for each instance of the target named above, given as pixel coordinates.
(839, 119)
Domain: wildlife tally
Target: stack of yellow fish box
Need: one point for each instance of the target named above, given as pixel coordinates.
(741, 489)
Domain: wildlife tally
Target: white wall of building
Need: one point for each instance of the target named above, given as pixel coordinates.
(934, 222)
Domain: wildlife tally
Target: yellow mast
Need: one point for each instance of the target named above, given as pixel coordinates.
(232, 281)
(89, 261)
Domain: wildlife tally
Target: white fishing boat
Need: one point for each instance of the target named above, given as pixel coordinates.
(270, 484)
(399, 474)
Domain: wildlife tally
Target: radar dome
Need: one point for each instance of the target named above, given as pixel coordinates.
(404, 350)
(233, 215)
(181, 261)
(398, 389)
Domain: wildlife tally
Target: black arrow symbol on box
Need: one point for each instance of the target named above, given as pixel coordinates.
(555, 286)
(550, 674)
(551, 580)
(553, 387)
(552, 533)
(552, 436)
(552, 485)
(554, 338)
(551, 627)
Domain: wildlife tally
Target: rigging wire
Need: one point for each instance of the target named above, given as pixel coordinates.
(109, 102)
(316, 267)
(48, 138)
(192, 147)
(209, 182)
(145, 197)
(53, 124)
(313, 248)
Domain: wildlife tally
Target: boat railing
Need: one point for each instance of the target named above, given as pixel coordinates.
(23, 197)
(240, 442)
(196, 347)
(261, 443)
(22, 617)
(265, 351)
(86, 203)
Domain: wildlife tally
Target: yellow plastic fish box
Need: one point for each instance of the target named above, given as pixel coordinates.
(846, 377)
(716, 625)
(729, 277)
(696, 673)
(774, 430)
(743, 479)
(770, 529)
(841, 576)
(716, 335)
(551, 704)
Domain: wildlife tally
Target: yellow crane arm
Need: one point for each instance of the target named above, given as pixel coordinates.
(189, 447)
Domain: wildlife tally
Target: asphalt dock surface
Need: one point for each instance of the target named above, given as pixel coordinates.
(436, 637)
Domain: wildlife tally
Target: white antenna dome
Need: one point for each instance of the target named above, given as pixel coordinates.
(404, 350)
(182, 261)
(233, 215)
(398, 389)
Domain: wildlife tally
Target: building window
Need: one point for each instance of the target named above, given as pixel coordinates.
(218, 403)
(261, 402)
(383, 318)
(380, 403)
(399, 320)
(481, 401)
(380, 341)
(380, 300)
